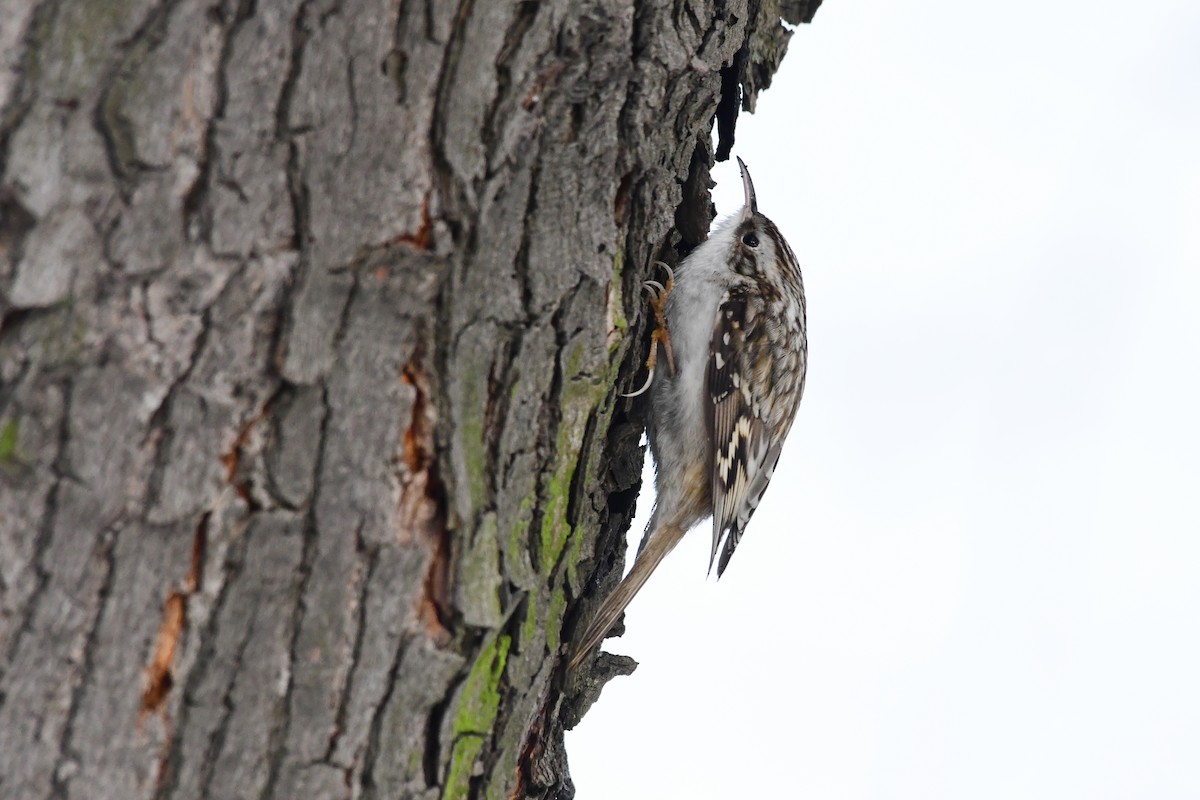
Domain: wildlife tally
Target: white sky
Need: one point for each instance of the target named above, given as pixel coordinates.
(977, 571)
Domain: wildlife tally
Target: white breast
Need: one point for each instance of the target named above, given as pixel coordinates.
(700, 282)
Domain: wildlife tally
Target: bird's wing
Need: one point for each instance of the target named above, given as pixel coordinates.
(744, 389)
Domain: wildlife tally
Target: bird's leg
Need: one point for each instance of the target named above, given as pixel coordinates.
(659, 305)
(660, 335)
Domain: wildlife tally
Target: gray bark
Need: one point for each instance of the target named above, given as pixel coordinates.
(314, 314)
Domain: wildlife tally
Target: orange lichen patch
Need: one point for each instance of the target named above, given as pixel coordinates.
(418, 437)
(422, 238)
(158, 673)
(435, 593)
(159, 678)
(164, 757)
(544, 81)
(421, 514)
(232, 457)
(417, 510)
(230, 460)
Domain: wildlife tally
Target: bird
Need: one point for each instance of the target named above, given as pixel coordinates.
(731, 322)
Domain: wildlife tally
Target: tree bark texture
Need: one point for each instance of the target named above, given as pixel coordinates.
(314, 314)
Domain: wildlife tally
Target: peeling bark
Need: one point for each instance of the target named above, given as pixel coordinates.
(313, 315)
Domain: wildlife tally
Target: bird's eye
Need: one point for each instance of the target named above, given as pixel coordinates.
(750, 240)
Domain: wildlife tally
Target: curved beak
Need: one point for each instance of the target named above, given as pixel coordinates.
(751, 206)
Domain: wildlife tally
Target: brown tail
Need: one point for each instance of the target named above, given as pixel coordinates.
(660, 542)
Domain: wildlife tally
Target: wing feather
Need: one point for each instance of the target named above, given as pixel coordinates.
(742, 383)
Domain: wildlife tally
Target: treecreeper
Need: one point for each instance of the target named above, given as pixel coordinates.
(730, 322)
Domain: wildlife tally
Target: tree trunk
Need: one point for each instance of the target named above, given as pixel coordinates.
(314, 315)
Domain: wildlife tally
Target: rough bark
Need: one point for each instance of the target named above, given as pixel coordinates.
(314, 314)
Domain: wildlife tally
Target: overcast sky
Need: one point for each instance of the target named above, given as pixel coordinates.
(977, 571)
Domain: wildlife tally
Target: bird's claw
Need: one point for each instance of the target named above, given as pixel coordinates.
(645, 386)
(658, 304)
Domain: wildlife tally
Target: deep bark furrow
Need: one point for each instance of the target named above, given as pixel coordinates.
(194, 203)
(68, 759)
(108, 122)
(371, 747)
(189, 756)
(169, 774)
(216, 739)
(283, 107)
(309, 531)
(45, 529)
(276, 739)
(238, 700)
(444, 85)
(159, 431)
(367, 561)
(524, 15)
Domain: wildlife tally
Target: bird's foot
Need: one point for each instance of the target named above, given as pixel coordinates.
(661, 335)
